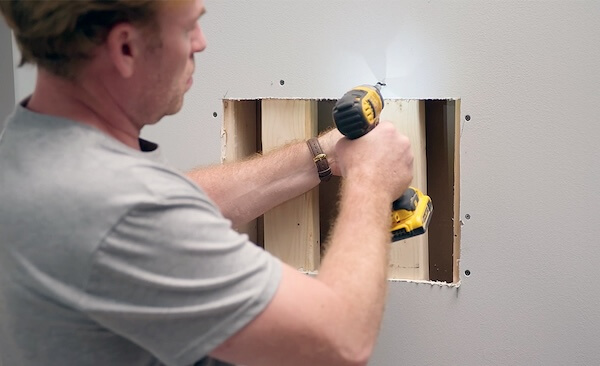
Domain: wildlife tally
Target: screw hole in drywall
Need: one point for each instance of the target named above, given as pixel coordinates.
(468, 117)
(215, 114)
(281, 82)
(467, 216)
(467, 273)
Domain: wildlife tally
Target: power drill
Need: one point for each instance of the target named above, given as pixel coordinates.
(357, 113)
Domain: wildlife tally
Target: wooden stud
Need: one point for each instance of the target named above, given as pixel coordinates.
(409, 258)
(291, 230)
(328, 191)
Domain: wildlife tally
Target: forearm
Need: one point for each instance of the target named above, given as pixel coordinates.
(245, 190)
(356, 262)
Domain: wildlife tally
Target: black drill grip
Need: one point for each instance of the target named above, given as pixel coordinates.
(349, 117)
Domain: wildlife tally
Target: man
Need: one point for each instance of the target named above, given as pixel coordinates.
(110, 257)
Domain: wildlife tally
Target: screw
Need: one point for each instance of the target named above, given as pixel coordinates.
(215, 114)
(281, 82)
(467, 273)
(467, 216)
(468, 117)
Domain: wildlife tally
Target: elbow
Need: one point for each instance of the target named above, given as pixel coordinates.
(354, 359)
(352, 341)
(355, 354)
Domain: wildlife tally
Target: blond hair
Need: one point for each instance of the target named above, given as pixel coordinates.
(60, 36)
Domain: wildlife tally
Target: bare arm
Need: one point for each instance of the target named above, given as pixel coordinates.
(247, 189)
(334, 319)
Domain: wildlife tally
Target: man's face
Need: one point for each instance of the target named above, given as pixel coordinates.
(169, 62)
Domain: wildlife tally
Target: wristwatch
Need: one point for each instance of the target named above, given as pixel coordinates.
(320, 159)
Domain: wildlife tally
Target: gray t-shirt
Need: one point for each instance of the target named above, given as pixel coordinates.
(110, 257)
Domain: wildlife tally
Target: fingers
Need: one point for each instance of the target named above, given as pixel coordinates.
(383, 158)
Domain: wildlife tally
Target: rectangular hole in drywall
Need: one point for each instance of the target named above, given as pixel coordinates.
(437, 142)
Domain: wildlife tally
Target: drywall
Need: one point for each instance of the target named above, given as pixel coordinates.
(7, 90)
(527, 73)
(24, 75)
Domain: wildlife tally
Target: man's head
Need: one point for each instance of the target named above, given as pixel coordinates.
(60, 36)
(135, 55)
(165, 72)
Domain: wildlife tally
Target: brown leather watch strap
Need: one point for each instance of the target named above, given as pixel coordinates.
(320, 159)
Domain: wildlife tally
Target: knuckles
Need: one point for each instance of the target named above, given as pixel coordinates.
(384, 151)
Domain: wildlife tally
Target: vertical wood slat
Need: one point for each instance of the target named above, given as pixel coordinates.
(456, 193)
(328, 191)
(409, 258)
(442, 166)
(238, 141)
(291, 230)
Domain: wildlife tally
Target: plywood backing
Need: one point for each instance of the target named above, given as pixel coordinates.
(291, 230)
(409, 258)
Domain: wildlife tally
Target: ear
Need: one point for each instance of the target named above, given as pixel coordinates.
(125, 47)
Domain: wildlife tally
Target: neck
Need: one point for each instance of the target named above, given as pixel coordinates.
(86, 102)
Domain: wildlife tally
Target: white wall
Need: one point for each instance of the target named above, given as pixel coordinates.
(7, 91)
(24, 75)
(528, 74)
(16, 82)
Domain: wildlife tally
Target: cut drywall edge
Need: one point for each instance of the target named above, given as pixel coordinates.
(399, 280)
(431, 283)
(338, 97)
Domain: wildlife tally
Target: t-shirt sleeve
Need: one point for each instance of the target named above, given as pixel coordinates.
(173, 277)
